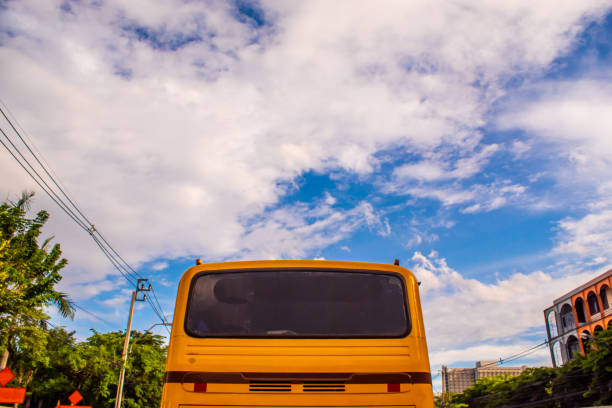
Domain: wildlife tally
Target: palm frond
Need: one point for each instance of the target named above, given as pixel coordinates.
(64, 305)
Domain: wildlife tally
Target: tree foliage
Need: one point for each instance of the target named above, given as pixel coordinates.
(28, 275)
(51, 363)
(29, 272)
(144, 369)
(585, 380)
(55, 381)
(92, 367)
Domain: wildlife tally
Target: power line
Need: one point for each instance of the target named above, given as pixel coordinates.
(84, 223)
(516, 356)
(513, 357)
(526, 353)
(43, 187)
(94, 315)
(510, 358)
(55, 198)
(41, 165)
(112, 260)
(159, 305)
(68, 206)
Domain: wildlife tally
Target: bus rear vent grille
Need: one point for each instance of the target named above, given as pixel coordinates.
(270, 386)
(323, 386)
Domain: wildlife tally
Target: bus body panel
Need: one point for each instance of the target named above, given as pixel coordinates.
(414, 396)
(237, 363)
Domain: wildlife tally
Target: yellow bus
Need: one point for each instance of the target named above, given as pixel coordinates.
(297, 334)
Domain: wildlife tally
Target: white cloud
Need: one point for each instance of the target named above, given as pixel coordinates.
(414, 241)
(598, 261)
(571, 122)
(447, 195)
(519, 148)
(436, 170)
(291, 232)
(120, 300)
(173, 147)
(165, 282)
(589, 236)
(424, 170)
(83, 287)
(329, 199)
(467, 318)
(574, 118)
(484, 197)
(418, 237)
(159, 266)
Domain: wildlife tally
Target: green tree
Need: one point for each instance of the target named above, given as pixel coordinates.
(92, 368)
(57, 379)
(145, 371)
(28, 275)
(585, 380)
(101, 354)
(588, 378)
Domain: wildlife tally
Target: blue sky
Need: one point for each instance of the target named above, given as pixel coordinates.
(470, 141)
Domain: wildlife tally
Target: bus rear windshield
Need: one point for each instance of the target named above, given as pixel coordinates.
(297, 304)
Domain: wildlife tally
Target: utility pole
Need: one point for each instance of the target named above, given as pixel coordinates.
(141, 286)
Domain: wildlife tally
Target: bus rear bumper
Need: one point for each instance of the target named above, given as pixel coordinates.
(419, 396)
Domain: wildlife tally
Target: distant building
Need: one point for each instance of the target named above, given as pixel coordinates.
(575, 316)
(456, 380)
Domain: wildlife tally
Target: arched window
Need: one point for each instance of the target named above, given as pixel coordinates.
(573, 348)
(585, 338)
(597, 329)
(610, 324)
(567, 318)
(552, 324)
(593, 304)
(579, 305)
(557, 357)
(606, 296)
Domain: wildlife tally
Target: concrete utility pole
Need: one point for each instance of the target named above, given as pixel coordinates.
(141, 286)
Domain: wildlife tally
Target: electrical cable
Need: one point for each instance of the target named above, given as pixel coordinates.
(154, 303)
(64, 207)
(159, 304)
(524, 353)
(113, 261)
(94, 315)
(86, 225)
(41, 165)
(515, 356)
(50, 193)
(117, 254)
(512, 357)
(118, 262)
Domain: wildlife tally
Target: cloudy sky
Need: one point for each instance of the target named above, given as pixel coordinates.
(471, 140)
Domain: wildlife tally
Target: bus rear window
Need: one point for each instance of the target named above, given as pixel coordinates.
(297, 304)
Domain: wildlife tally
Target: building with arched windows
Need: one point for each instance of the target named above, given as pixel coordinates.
(576, 316)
